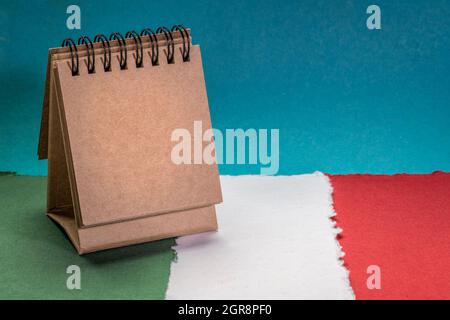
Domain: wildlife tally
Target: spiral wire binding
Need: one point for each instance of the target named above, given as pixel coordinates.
(90, 50)
(154, 43)
(138, 42)
(106, 51)
(170, 44)
(107, 56)
(185, 36)
(73, 51)
(123, 48)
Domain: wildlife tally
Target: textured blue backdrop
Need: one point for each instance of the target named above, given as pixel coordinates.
(345, 99)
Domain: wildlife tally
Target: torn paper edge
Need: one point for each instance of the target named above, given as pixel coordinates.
(340, 253)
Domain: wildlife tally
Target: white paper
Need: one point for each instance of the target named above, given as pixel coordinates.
(275, 241)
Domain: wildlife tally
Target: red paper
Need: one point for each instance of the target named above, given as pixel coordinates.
(400, 223)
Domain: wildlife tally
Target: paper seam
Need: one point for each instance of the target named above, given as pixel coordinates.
(340, 253)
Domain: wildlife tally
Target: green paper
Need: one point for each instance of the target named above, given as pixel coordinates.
(35, 254)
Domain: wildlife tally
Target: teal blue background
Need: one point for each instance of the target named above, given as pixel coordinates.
(346, 99)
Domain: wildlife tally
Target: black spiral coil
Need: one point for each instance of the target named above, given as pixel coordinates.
(123, 48)
(106, 51)
(169, 49)
(73, 55)
(185, 36)
(139, 49)
(170, 45)
(154, 43)
(90, 52)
